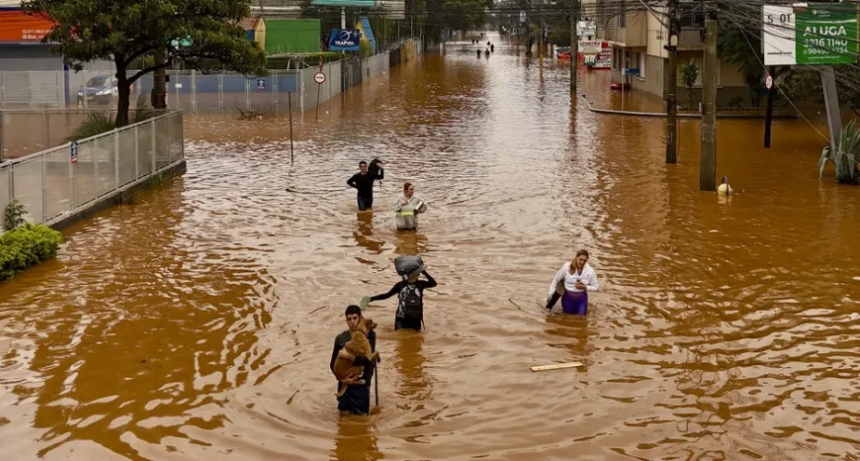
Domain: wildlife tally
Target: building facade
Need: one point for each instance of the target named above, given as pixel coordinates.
(638, 39)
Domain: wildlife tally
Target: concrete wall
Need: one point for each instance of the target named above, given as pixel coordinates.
(374, 65)
(657, 34)
(633, 34)
(653, 80)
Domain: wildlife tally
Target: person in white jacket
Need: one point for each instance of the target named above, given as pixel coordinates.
(579, 279)
(407, 208)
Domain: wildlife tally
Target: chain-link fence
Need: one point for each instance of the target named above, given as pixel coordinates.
(196, 92)
(65, 180)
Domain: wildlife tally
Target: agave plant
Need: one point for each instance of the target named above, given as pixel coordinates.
(845, 157)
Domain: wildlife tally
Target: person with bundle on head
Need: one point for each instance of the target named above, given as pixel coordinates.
(410, 292)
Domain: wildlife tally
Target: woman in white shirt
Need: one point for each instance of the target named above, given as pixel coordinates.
(578, 279)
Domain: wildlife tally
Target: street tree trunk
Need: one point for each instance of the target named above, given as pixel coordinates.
(159, 81)
(124, 94)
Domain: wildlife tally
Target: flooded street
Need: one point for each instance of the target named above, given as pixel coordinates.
(198, 322)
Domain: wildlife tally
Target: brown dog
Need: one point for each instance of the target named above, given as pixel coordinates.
(357, 346)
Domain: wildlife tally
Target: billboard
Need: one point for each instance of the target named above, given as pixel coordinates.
(590, 46)
(586, 29)
(18, 26)
(344, 40)
(596, 54)
(814, 33)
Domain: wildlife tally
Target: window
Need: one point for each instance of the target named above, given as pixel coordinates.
(692, 17)
(699, 63)
(622, 16)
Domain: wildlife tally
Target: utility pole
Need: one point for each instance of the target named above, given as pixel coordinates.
(672, 86)
(574, 44)
(768, 121)
(708, 165)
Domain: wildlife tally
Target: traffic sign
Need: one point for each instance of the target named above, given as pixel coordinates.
(768, 82)
(319, 77)
(261, 84)
(73, 147)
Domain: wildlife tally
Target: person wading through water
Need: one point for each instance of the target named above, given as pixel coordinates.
(363, 183)
(410, 300)
(408, 208)
(356, 399)
(578, 279)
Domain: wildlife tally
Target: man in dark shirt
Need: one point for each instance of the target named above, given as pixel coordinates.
(363, 182)
(408, 315)
(356, 399)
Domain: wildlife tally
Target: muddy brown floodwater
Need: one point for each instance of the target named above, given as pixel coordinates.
(198, 323)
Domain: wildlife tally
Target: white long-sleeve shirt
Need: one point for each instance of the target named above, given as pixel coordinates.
(588, 278)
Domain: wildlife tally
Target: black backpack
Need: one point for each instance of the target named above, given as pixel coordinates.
(413, 302)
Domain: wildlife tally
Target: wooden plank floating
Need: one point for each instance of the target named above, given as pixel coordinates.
(557, 366)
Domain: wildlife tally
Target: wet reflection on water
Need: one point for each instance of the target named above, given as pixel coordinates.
(198, 323)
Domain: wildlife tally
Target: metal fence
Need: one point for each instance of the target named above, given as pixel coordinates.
(25, 131)
(54, 184)
(195, 92)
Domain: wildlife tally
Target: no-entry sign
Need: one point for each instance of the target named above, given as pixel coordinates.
(319, 77)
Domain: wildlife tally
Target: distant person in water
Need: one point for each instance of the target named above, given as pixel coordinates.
(725, 188)
(579, 279)
(408, 208)
(363, 183)
(410, 300)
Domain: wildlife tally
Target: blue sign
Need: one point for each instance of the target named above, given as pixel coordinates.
(261, 84)
(344, 40)
(74, 150)
(631, 71)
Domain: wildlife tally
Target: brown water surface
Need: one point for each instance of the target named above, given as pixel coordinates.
(198, 323)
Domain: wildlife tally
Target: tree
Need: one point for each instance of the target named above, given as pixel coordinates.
(124, 31)
(733, 48)
(434, 16)
(806, 84)
(688, 74)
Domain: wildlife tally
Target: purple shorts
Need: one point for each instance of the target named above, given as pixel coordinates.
(574, 302)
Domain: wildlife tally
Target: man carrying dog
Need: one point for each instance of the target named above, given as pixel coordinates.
(356, 400)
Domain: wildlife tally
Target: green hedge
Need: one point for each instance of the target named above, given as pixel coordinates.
(295, 60)
(26, 246)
